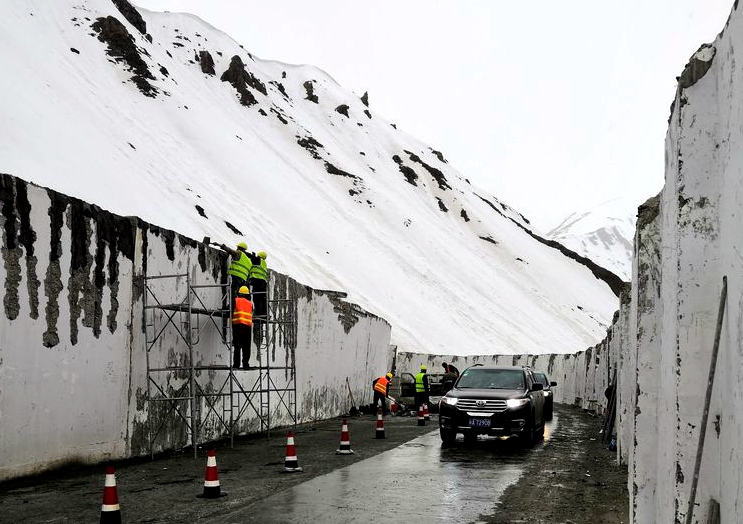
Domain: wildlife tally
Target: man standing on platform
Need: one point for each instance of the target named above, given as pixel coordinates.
(242, 326)
(240, 264)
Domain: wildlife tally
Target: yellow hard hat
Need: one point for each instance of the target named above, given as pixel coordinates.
(389, 374)
(243, 290)
(423, 367)
(242, 245)
(262, 254)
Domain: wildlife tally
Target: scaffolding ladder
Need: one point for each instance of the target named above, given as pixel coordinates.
(176, 389)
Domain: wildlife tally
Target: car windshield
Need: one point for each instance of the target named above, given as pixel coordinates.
(479, 378)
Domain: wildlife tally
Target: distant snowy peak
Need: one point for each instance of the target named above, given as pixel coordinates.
(603, 234)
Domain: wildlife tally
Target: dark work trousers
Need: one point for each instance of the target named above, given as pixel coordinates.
(241, 343)
(260, 309)
(235, 284)
(260, 300)
(380, 397)
(420, 399)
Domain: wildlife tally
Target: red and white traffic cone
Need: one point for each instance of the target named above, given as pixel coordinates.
(421, 418)
(212, 489)
(290, 462)
(110, 510)
(426, 416)
(345, 446)
(380, 424)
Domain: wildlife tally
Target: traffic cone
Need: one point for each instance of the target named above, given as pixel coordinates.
(345, 447)
(380, 425)
(211, 478)
(110, 510)
(426, 416)
(290, 462)
(421, 418)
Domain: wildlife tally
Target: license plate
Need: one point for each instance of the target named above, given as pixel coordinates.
(479, 422)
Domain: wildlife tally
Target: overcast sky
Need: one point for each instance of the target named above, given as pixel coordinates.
(551, 106)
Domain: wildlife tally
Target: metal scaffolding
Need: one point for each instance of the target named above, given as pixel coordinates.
(183, 386)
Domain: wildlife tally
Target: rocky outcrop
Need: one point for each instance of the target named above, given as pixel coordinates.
(131, 14)
(240, 79)
(121, 46)
(207, 63)
(310, 88)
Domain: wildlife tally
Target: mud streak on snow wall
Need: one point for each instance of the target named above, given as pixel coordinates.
(75, 336)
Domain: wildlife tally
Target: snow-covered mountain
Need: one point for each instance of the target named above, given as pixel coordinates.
(162, 116)
(604, 234)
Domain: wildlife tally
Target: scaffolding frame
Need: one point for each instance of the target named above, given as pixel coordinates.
(228, 393)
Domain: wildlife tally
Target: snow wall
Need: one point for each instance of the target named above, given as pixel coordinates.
(582, 377)
(688, 239)
(74, 338)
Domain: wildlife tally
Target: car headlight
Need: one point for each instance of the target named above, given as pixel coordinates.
(449, 400)
(516, 402)
(547, 393)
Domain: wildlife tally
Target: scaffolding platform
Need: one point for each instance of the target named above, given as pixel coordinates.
(197, 392)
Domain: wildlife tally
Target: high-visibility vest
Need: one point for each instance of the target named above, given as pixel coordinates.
(419, 386)
(243, 313)
(259, 271)
(381, 385)
(240, 267)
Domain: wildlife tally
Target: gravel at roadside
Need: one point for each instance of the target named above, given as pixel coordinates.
(576, 480)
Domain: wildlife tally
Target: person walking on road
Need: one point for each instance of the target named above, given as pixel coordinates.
(421, 388)
(382, 391)
(242, 326)
(239, 266)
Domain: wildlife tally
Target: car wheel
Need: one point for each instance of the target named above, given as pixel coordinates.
(527, 436)
(539, 434)
(448, 436)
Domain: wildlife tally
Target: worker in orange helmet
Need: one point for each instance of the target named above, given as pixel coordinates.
(242, 327)
(381, 387)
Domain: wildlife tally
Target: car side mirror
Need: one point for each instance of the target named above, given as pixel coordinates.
(553, 383)
(537, 387)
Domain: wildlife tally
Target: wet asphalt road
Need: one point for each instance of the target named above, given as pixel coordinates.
(420, 481)
(409, 477)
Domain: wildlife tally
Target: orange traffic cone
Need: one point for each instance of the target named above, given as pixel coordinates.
(110, 510)
(426, 416)
(290, 462)
(380, 425)
(345, 447)
(421, 418)
(211, 478)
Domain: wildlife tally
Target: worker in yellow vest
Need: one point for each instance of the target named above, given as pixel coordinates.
(242, 326)
(240, 265)
(257, 278)
(421, 388)
(382, 391)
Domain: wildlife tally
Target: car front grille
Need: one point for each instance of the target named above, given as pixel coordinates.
(481, 406)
